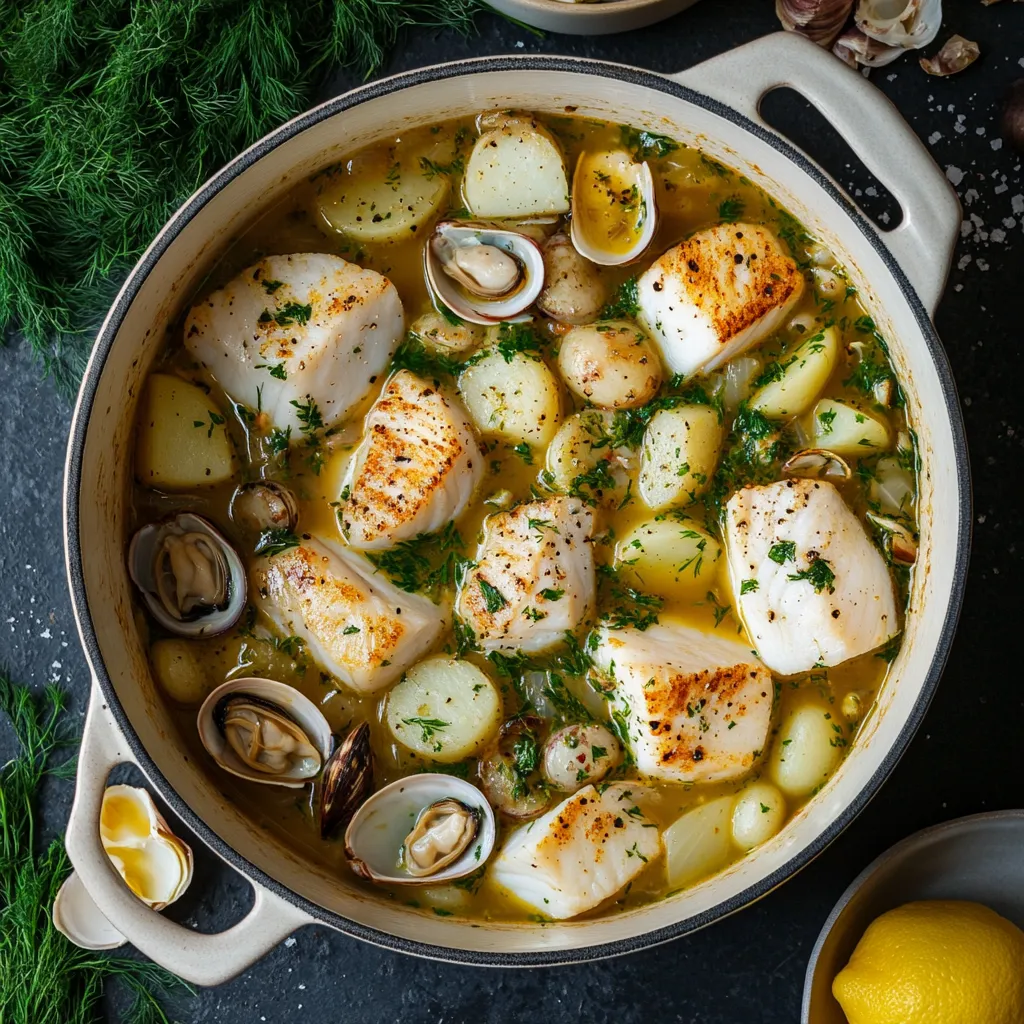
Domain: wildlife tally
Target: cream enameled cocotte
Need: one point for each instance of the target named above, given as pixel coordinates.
(536, 441)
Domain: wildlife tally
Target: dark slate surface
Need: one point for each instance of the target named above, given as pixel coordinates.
(965, 759)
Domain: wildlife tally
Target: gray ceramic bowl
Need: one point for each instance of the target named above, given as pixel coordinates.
(980, 858)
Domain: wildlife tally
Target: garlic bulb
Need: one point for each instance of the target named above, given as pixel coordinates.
(819, 20)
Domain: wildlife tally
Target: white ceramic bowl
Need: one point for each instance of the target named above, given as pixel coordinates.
(590, 19)
(714, 105)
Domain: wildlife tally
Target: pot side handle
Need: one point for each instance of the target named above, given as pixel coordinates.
(198, 958)
(924, 240)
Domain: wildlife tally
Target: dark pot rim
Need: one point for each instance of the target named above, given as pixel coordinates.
(80, 426)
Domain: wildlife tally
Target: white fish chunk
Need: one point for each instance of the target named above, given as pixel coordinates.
(416, 468)
(533, 578)
(696, 706)
(325, 327)
(356, 625)
(717, 294)
(579, 854)
(834, 610)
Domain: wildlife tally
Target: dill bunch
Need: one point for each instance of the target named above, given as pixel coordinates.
(44, 979)
(112, 112)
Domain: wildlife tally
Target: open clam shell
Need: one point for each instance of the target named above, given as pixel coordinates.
(614, 214)
(819, 464)
(483, 274)
(154, 863)
(190, 577)
(77, 918)
(264, 505)
(376, 837)
(264, 731)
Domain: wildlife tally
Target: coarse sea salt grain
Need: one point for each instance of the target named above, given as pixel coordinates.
(934, 137)
(954, 174)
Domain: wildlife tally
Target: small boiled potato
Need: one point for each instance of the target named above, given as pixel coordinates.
(679, 455)
(806, 750)
(388, 196)
(611, 364)
(579, 447)
(448, 897)
(517, 400)
(439, 333)
(758, 813)
(516, 170)
(444, 709)
(181, 440)
(574, 291)
(180, 671)
(799, 378)
(699, 842)
(847, 430)
(666, 555)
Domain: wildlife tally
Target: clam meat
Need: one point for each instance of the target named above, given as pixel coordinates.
(440, 836)
(264, 738)
(483, 274)
(190, 577)
(264, 731)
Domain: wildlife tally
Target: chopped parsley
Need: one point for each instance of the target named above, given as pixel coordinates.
(515, 338)
(890, 649)
(819, 574)
(749, 587)
(552, 595)
(494, 599)
(425, 563)
(524, 451)
(274, 541)
(645, 145)
(431, 169)
(782, 552)
(428, 727)
(271, 286)
(625, 303)
(292, 313)
(731, 209)
(277, 370)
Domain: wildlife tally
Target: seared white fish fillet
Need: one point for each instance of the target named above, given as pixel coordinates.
(577, 855)
(355, 624)
(326, 328)
(533, 578)
(697, 706)
(717, 294)
(839, 609)
(416, 468)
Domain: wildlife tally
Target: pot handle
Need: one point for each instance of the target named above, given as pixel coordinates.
(923, 242)
(199, 958)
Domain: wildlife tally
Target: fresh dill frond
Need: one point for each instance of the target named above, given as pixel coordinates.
(113, 113)
(44, 979)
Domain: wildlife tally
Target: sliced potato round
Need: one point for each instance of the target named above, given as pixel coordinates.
(799, 378)
(444, 709)
(665, 555)
(847, 430)
(181, 671)
(759, 812)
(806, 750)
(439, 333)
(516, 170)
(699, 842)
(612, 364)
(679, 455)
(518, 399)
(181, 440)
(388, 195)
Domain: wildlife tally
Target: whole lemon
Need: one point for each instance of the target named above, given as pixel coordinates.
(935, 962)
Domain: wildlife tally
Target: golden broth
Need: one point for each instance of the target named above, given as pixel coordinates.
(693, 192)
